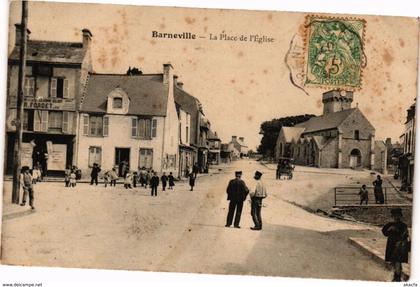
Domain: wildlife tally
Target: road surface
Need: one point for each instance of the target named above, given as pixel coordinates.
(183, 231)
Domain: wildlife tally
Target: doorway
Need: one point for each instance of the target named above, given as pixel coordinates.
(122, 160)
(355, 158)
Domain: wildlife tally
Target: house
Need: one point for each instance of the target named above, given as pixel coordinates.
(55, 77)
(240, 149)
(406, 161)
(226, 153)
(129, 121)
(187, 152)
(214, 147)
(197, 150)
(342, 137)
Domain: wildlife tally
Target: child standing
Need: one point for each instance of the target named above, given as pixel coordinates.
(128, 179)
(113, 176)
(135, 179)
(171, 181)
(67, 177)
(192, 181)
(73, 178)
(106, 178)
(154, 183)
(164, 180)
(364, 196)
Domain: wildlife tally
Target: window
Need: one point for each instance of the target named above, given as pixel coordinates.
(187, 134)
(59, 88)
(95, 155)
(117, 103)
(146, 158)
(29, 89)
(55, 121)
(95, 126)
(28, 120)
(143, 128)
(356, 135)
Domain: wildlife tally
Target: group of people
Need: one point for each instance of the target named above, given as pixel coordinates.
(377, 192)
(70, 176)
(237, 192)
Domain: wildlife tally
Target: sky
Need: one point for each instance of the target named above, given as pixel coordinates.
(240, 84)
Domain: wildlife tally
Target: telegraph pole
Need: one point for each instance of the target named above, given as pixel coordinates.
(17, 156)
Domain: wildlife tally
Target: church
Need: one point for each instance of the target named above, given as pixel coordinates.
(342, 137)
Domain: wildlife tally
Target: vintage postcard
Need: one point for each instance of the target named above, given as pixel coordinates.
(212, 141)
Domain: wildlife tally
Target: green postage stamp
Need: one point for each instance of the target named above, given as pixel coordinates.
(334, 52)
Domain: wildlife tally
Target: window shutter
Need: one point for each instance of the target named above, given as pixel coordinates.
(65, 122)
(134, 125)
(148, 129)
(37, 120)
(44, 121)
(66, 88)
(70, 123)
(154, 128)
(53, 88)
(106, 125)
(85, 125)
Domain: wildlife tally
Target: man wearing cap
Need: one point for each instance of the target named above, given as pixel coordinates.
(397, 245)
(257, 196)
(28, 189)
(237, 191)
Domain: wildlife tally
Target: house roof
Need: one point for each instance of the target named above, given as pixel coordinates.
(186, 101)
(325, 122)
(52, 51)
(212, 136)
(292, 133)
(147, 93)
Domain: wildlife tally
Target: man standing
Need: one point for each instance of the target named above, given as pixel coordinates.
(257, 196)
(154, 183)
(27, 187)
(237, 192)
(94, 174)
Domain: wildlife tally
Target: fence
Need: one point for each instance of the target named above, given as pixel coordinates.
(349, 195)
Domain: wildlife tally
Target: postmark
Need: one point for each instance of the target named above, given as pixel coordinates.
(334, 52)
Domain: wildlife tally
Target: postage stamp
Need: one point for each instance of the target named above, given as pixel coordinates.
(334, 52)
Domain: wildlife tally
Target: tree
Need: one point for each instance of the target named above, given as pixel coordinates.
(271, 129)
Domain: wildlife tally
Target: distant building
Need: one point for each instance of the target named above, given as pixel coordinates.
(406, 162)
(214, 147)
(55, 78)
(129, 121)
(342, 137)
(240, 149)
(197, 150)
(226, 153)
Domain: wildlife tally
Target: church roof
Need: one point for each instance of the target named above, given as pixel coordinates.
(292, 133)
(325, 122)
(147, 93)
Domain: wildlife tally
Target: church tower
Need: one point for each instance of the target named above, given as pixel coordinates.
(336, 101)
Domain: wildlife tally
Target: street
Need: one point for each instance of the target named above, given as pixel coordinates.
(183, 231)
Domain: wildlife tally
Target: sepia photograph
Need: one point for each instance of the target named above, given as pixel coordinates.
(209, 141)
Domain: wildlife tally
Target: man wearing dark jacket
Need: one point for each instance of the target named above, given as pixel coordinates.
(94, 174)
(154, 183)
(237, 191)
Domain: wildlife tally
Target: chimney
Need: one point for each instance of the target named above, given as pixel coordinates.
(180, 85)
(234, 138)
(241, 139)
(87, 38)
(168, 73)
(175, 80)
(18, 29)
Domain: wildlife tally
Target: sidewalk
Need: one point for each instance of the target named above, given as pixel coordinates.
(375, 247)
